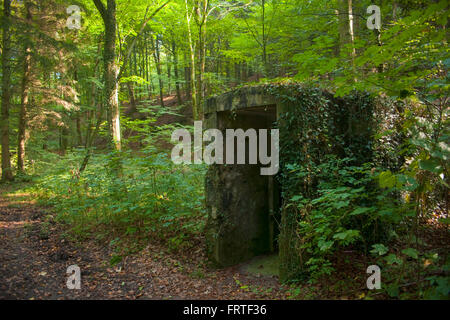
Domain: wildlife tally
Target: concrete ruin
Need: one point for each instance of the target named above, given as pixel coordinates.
(241, 203)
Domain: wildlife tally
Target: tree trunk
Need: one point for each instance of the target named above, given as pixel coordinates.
(169, 74)
(193, 86)
(192, 66)
(343, 24)
(351, 30)
(133, 107)
(346, 32)
(64, 140)
(201, 19)
(264, 42)
(147, 67)
(130, 87)
(200, 71)
(111, 71)
(156, 57)
(187, 77)
(6, 91)
(175, 69)
(93, 98)
(22, 132)
(79, 135)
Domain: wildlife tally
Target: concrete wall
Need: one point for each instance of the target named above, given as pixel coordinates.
(238, 199)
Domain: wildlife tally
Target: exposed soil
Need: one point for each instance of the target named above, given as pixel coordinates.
(35, 254)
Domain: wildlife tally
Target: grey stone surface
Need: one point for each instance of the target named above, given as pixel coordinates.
(238, 198)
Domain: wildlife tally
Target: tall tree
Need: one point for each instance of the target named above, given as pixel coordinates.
(22, 134)
(6, 91)
(111, 70)
(157, 57)
(346, 30)
(175, 67)
(192, 82)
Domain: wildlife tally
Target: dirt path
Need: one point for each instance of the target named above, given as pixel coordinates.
(34, 258)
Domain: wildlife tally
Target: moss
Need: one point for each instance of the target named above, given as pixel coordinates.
(267, 265)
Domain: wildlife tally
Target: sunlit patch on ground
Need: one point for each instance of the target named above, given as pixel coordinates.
(266, 265)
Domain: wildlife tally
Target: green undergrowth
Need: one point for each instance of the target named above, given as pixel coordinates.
(126, 199)
(357, 177)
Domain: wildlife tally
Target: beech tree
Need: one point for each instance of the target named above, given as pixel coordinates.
(6, 90)
(25, 99)
(111, 70)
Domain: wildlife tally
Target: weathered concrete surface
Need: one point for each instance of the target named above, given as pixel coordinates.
(238, 198)
(239, 201)
(238, 222)
(243, 98)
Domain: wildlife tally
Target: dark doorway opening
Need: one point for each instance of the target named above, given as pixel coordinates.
(258, 196)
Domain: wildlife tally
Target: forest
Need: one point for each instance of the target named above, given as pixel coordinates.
(92, 91)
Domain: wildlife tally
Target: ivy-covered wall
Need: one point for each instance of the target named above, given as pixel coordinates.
(315, 127)
(326, 143)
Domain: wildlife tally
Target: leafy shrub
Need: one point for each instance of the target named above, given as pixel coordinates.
(348, 210)
(150, 197)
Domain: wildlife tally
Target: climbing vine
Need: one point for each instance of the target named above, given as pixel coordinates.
(326, 149)
(353, 178)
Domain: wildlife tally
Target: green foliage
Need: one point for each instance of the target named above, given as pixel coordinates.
(152, 197)
(324, 143)
(362, 173)
(365, 172)
(346, 211)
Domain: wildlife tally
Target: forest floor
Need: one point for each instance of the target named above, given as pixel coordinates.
(35, 254)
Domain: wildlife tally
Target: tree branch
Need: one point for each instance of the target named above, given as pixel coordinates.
(144, 24)
(101, 8)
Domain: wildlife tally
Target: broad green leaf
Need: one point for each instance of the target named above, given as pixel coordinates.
(325, 245)
(387, 179)
(347, 235)
(431, 165)
(360, 210)
(379, 249)
(411, 252)
(392, 258)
